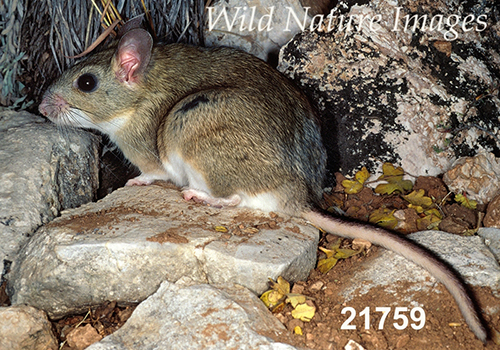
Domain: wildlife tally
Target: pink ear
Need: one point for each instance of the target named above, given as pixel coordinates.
(133, 55)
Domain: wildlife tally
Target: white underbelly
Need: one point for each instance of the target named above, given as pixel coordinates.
(183, 174)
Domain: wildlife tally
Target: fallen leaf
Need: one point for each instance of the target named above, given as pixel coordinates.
(325, 265)
(466, 202)
(384, 217)
(304, 312)
(221, 229)
(394, 178)
(429, 222)
(282, 286)
(276, 295)
(333, 254)
(352, 186)
(295, 299)
(434, 212)
(356, 185)
(418, 198)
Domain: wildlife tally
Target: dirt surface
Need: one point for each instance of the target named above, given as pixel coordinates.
(444, 326)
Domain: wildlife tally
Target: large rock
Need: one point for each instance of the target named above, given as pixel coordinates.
(199, 317)
(42, 171)
(416, 98)
(122, 247)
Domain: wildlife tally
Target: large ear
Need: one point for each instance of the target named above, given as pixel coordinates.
(132, 56)
(133, 23)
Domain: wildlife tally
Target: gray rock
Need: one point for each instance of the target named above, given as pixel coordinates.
(199, 317)
(25, 328)
(406, 97)
(122, 247)
(246, 17)
(42, 171)
(469, 256)
(491, 238)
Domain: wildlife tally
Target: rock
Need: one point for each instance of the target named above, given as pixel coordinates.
(491, 238)
(398, 95)
(25, 328)
(199, 317)
(80, 338)
(492, 217)
(258, 27)
(42, 171)
(478, 176)
(479, 268)
(123, 246)
(352, 345)
(458, 219)
(434, 187)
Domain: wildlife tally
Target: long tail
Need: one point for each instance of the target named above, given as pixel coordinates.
(410, 251)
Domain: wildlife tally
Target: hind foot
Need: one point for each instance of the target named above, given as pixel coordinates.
(203, 197)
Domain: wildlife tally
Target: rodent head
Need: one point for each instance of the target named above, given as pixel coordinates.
(100, 92)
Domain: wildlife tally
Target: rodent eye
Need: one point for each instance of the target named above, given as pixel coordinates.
(87, 82)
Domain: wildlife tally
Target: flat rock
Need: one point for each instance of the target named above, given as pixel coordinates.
(42, 171)
(199, 317)
(25, 328)
(123, 246)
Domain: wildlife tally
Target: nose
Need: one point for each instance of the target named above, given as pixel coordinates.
(52, 105)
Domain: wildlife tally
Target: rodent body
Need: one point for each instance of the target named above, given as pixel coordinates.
(186, 126)
(223, 124)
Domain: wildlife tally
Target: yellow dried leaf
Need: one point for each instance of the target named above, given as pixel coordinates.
(333, 254)
(389, 188)
(325, 265)
(429, 222)
(418, 199)
(297, 330)
(391, 173)
(295, 299)
(417, 208)
(271, 298)
(282, 286)
(466, 202)
(351, 186)
(384, 217)
(265, 298)
(434, 212)
(344, 253)
(362, 175)
(304, 312)
(356, 185)
(221, 229)
(394, 177)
